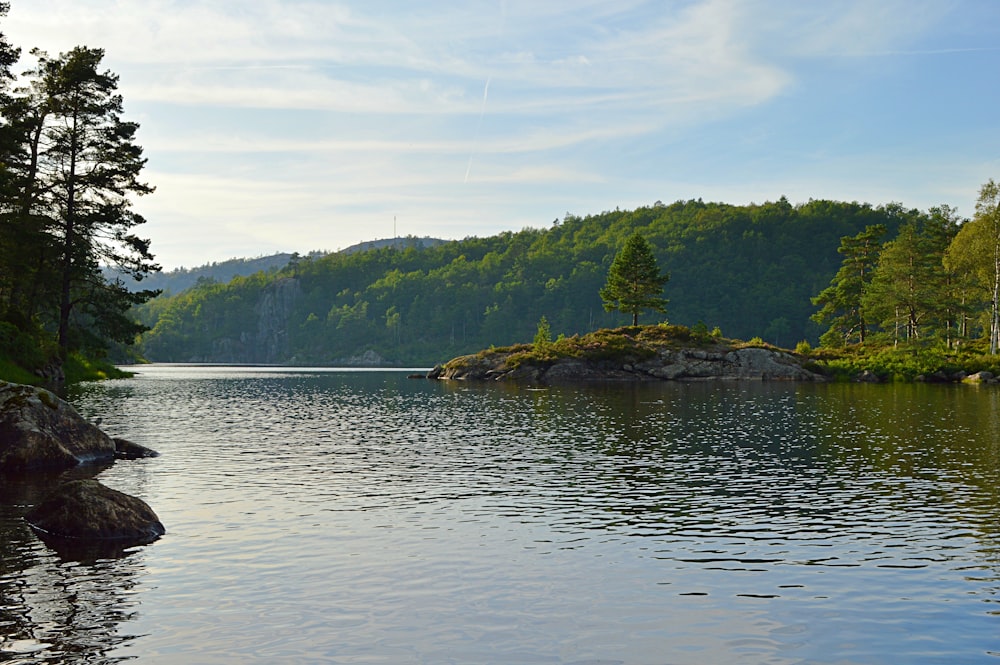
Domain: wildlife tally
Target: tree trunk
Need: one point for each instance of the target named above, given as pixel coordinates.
(69, 245)
(995, 304)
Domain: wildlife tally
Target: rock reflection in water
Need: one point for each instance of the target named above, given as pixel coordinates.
(66, 604)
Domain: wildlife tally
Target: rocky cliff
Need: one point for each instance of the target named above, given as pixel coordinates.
(267, 342)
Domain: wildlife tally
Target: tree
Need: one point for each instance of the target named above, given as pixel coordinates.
(88, 167)
(976, 251)
(908, 286)
(634, 280)
(841, 303)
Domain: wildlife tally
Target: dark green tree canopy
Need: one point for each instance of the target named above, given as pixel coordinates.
(841, 303)
(634, 280)
(69, 173)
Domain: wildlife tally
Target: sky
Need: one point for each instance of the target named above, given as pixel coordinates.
(298, 125)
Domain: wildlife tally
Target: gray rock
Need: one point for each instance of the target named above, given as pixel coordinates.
(571, 370)
(125, 449)
(867, 376)
(87, 510)
(753, 363)
(40, 431)
(979, 377)
(669, 372)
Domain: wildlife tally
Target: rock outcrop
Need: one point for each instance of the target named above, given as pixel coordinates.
(40, 431)
(691, 364)
(87, 510)
(266, 340)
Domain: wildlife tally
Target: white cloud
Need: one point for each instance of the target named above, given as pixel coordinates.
(268, 118)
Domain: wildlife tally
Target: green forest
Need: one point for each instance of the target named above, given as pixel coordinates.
(751, 271)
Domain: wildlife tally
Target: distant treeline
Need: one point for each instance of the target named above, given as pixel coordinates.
(180, 279)
(749, 270)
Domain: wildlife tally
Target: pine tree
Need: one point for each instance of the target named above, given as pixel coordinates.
(88, 168)
(908, 289)
(634, 280)
(841, 303)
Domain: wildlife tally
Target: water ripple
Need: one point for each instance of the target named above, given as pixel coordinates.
(345, 517)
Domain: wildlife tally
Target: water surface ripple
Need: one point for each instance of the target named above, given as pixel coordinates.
(346, 517)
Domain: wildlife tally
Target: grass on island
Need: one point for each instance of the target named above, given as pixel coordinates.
(627, 344)
(79, 368)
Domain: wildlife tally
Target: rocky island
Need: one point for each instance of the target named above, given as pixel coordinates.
(632, 353)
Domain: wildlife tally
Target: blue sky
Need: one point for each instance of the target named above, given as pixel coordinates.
(280, 125)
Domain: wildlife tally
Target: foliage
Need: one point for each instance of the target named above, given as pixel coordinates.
(905, 361)
(975, 254)
(908, 293)
(748, 270)
(543, 337)
(634, 280)
(934, 286)
(70, 172)
(842, 303)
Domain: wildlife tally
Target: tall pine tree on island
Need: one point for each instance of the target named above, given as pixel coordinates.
(634, 280)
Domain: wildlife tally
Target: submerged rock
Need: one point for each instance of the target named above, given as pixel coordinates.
(40, 431)
(87, 510)
(125, 449)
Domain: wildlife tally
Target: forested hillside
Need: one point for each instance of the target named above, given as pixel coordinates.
(750, 270)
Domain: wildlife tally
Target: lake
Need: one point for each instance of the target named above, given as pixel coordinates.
(336, 516)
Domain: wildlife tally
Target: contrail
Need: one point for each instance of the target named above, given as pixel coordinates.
(482, 112)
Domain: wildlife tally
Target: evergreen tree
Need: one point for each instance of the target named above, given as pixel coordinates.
(907, 290)
(87, 168)
(841, 303)
(634, 280)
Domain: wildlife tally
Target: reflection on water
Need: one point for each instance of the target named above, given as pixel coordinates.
(364, 517)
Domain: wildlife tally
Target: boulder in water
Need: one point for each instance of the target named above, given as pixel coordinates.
(87, 510)
(40, 431)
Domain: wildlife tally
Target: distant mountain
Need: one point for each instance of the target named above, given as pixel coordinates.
(399, 243)
(181, 279)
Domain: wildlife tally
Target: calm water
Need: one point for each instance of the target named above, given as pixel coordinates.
(363, 517)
